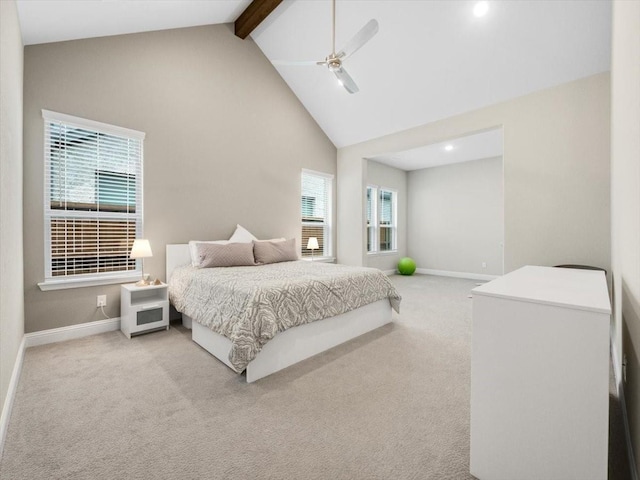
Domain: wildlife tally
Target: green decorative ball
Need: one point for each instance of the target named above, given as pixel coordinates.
(406, 266)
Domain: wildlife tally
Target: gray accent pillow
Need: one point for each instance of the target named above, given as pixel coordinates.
(229, 255)
(274, 252)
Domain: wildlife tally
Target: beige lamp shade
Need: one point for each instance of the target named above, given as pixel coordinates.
(312, 244)
(141, 249)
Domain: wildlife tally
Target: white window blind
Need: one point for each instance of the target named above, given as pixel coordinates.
(93, 197)
(316, 211)
(387, 220)
(381, 219)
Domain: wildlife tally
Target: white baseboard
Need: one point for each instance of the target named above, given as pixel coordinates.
(445, 273)
(389, 272)
(11, 394)
(623, 405)
(72, 331)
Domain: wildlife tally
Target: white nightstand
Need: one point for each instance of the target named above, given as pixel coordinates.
(143, 309)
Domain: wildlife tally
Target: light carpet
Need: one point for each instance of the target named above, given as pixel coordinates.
(392, 404)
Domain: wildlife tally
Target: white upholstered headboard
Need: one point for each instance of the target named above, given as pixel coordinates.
(177, 255)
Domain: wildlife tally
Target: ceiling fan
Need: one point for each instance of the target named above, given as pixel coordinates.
(334, 60)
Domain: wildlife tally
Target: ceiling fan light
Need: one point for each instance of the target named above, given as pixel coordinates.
(334, 64)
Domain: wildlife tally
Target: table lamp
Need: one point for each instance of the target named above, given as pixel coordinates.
(141, 249)
(312, 245)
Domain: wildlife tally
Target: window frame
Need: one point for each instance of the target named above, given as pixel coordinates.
(371, 220)
(56, 282)
(373, 239)
(327, 224)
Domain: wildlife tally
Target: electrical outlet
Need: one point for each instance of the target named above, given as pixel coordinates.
(484, 264)
(624, 368)
(102, 301)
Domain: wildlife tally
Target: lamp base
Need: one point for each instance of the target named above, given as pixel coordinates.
(144, 281)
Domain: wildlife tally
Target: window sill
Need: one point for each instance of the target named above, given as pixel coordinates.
(386, 252)
(319, 259)
(88, 281)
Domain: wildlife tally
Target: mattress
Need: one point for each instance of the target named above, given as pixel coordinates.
(250, 305)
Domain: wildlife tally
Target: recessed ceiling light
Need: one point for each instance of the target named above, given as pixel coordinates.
(448, 148)
(481, 9)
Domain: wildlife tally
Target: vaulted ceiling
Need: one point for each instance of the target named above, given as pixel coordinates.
(430, 59)
(433, 59)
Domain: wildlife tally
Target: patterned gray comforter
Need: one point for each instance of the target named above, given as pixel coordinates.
(249, 305)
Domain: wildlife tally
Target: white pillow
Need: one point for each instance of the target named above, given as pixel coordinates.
(242, 235)
(193, 249)
(273, 240)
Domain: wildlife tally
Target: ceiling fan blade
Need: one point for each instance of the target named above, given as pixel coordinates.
(294, 63)
(345, 80)
(359, 39)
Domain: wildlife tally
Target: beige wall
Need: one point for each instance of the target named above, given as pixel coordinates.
(556, 171)
(11, 291)
(625, 203)
(352, 247)
(226, 140)
(456, 217)
(381, 175)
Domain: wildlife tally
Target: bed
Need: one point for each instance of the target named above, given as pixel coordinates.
(265, 318)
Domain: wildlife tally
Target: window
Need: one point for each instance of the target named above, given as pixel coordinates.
(316, 212)
(381, 219)
(372, 208)
(93, 199)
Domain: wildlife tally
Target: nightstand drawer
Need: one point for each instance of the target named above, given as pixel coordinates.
(149, 314)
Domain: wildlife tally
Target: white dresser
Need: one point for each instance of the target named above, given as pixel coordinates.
(540, 376)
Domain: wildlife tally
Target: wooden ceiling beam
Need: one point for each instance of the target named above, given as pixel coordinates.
(253, 16)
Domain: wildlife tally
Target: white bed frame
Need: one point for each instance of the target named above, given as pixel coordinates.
(290, 346)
